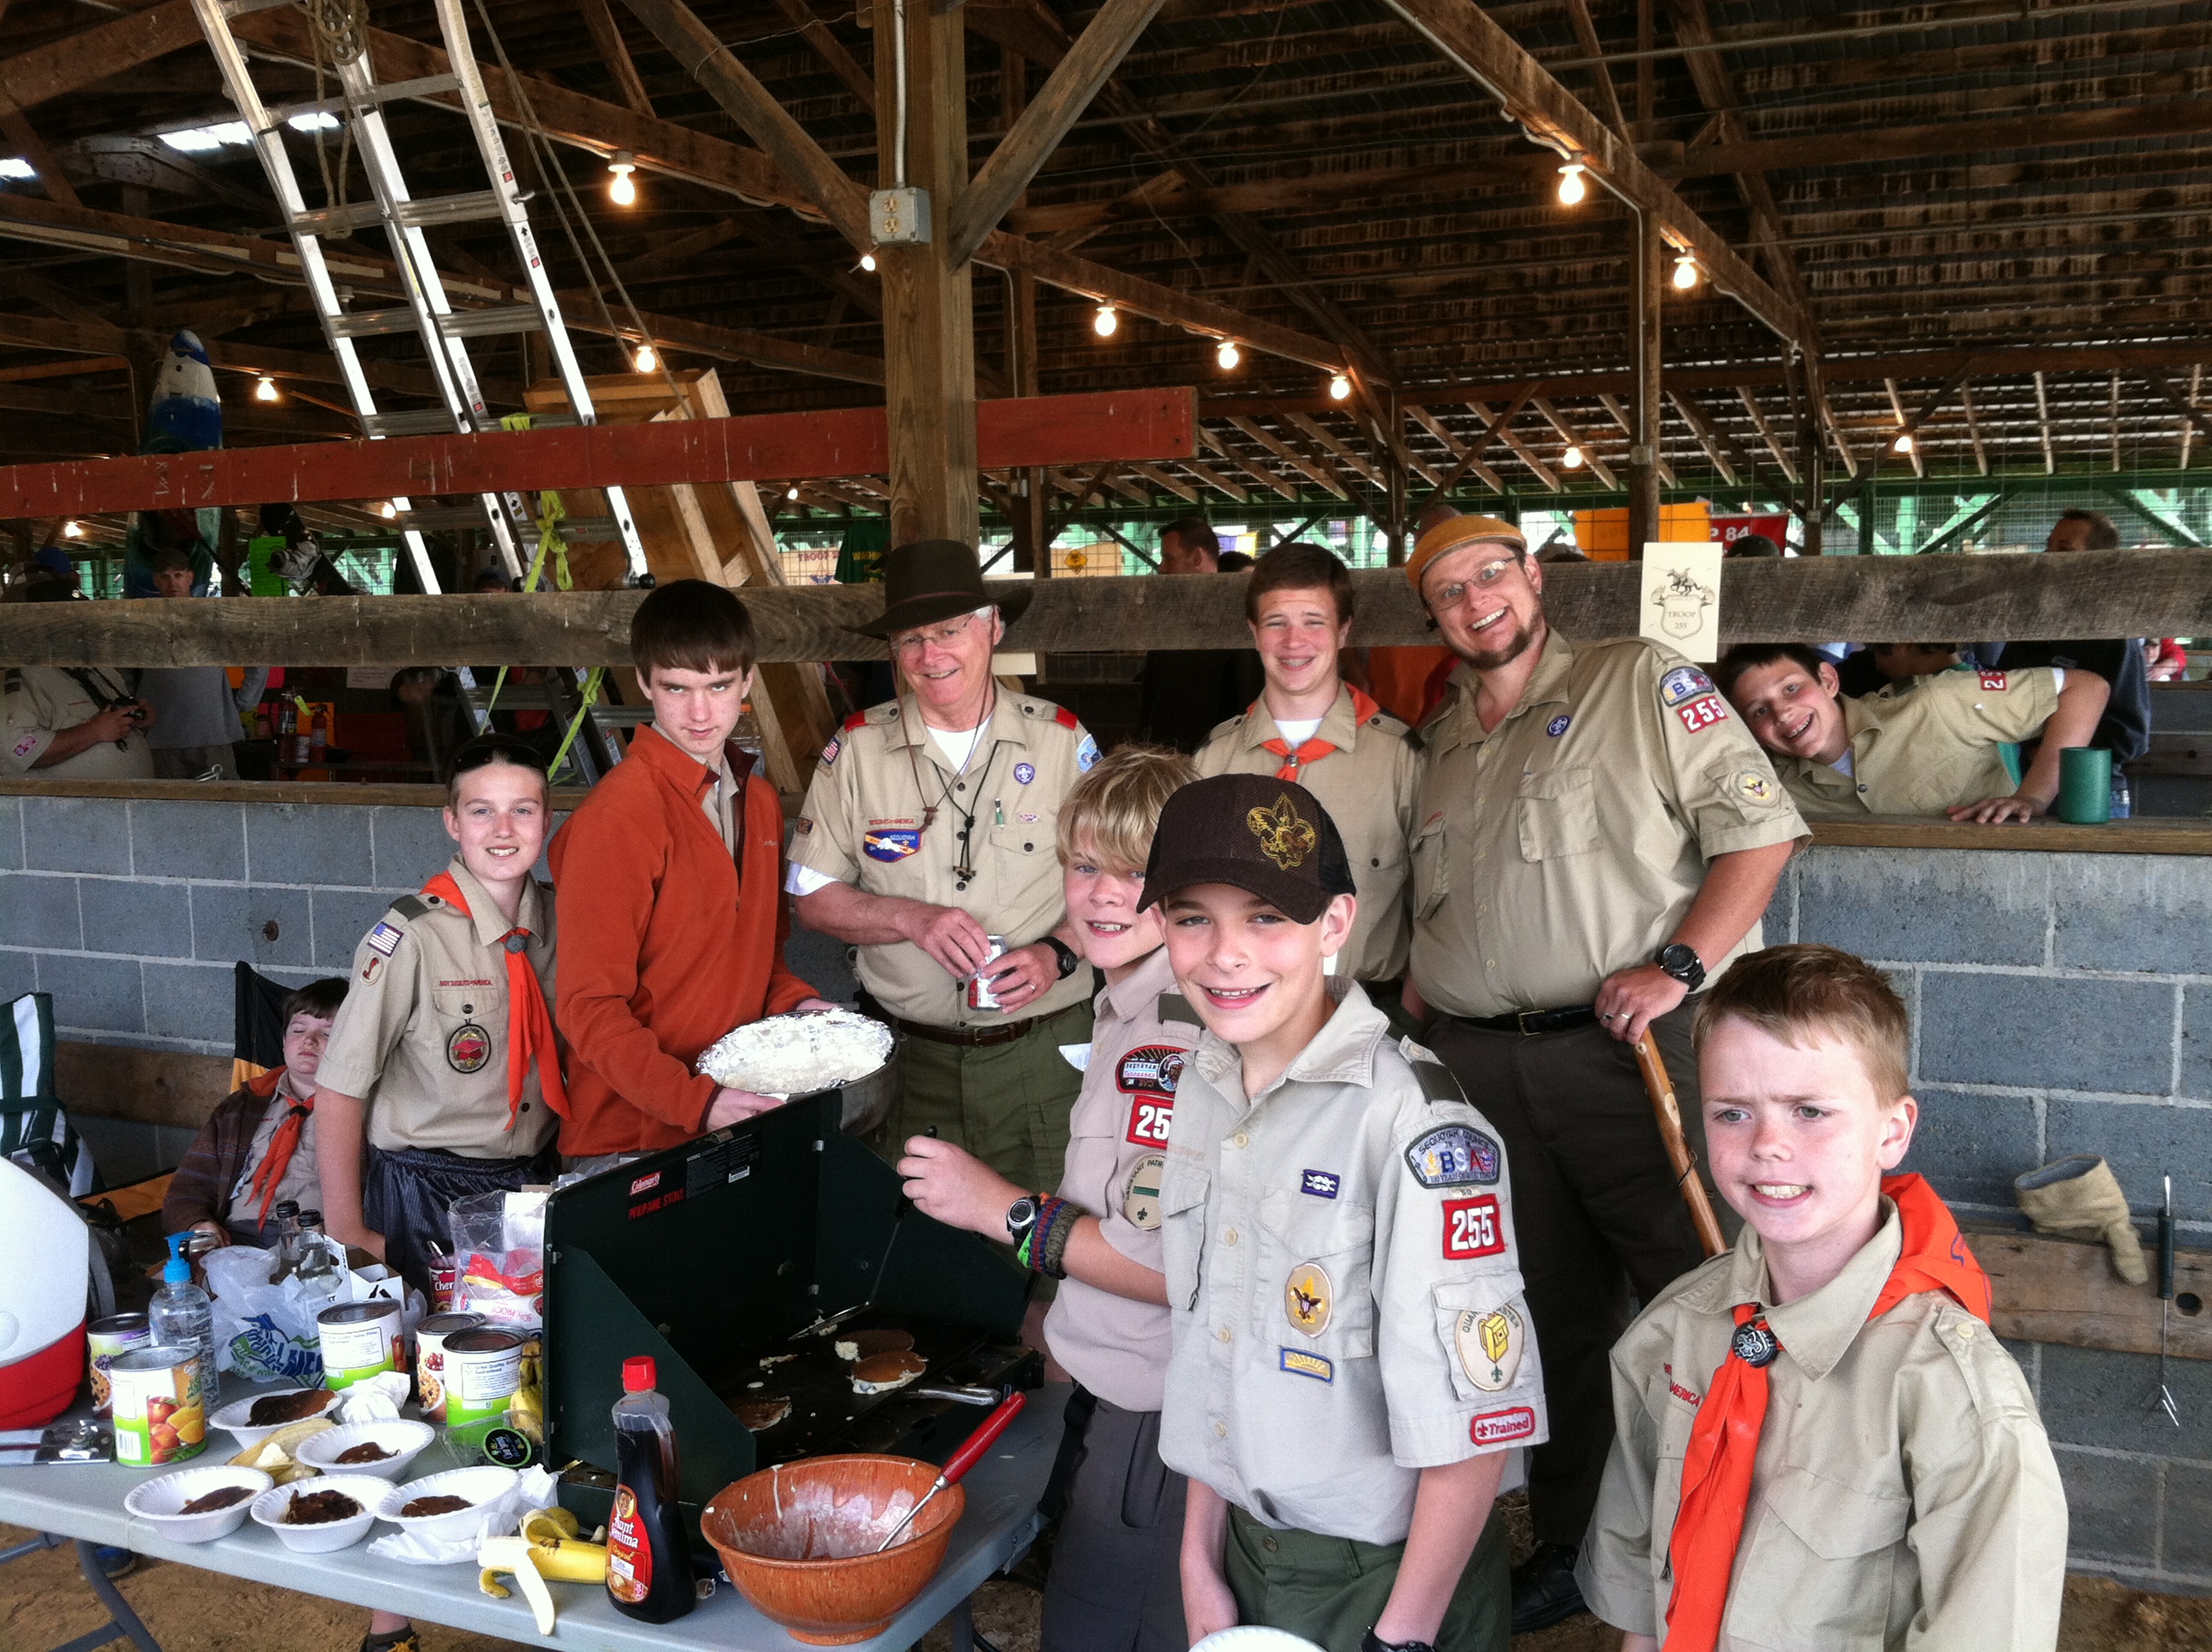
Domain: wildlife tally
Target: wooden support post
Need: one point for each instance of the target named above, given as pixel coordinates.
(929, 350)
(1645, 282)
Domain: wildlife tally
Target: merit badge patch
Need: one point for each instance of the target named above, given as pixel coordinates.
(1752, 786)
(1498, 1427)
(1490, 1347)
(384, 938)
(830, 752)
(1309, 1298)
(890, 845)
(1140, 1201)
(1321, 1184)
(1558, 725)
(1299, 1363)
(468, 1048)
(1024, 773)
(1684, 683)
(1453, 1155)
(1995, 682)
(1471, 1229)
(1086, 754)
(1702, 713)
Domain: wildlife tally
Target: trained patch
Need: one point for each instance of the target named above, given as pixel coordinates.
(1024, 773)
(1490, 1346)
(385, 939)
(1702, 713)
(890, 845)
(1472, 1229)
(1684, 683)
(1140, 1201)
(1321, 1184)
(1086, 754)
(1309, 1298)
(1453, 1155)
(1558, 725)
(1752, 786)
(468, 1048)
(1500, 1427)
(1298, 1363)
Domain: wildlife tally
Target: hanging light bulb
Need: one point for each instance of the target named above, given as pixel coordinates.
(1573, 458)
(1107, 322)
(1686, 272)
(72, 529)
(1339, 387)
(266, 390)
(792, 492)
(622, 192)
(388, 510)
(1228, 355)
(646, 361)
(1903, 442)
(868, 262)
(1573, 189)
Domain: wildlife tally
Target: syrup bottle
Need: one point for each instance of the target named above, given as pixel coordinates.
(648, 1561)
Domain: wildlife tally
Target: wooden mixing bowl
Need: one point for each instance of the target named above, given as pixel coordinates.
(763, 1526)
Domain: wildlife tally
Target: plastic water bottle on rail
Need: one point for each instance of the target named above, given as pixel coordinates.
(180, 1316)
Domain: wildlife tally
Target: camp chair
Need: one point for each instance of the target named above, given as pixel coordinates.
(34, 1130)
(256, 1035)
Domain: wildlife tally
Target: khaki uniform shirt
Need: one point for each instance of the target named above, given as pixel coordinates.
(1368, 785)
(866, 823)
(1904, 1495)
(39, 702)
(1924, 752)
(1116, 1152)
(1570, 841)
(422, 1034)
(1344, 1282)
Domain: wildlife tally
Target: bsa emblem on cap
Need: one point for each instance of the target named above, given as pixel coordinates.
(1309, 1298)
(1490, 1346)
(1140, 1205)
(1287, 837)
(1754, 1344)
(468, 1048)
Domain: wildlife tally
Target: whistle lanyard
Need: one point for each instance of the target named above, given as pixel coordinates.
(964, 871)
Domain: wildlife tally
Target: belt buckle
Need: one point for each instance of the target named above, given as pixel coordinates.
(1522, 1018)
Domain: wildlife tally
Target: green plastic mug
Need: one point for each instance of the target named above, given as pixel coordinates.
(2085, 786)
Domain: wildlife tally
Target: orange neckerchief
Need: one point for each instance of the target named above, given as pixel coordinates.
(1315, 748)
(529, 1023)
(282, 1145)
(1724, 1441)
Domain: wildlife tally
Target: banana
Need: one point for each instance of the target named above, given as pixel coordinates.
(511, 1556)
(568, 1560)
(273, 1456)
(549, 1525)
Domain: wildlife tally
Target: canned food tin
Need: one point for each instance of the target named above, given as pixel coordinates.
(482, 1371)
(979, 993)
(430, 1359)
(105, 1339)
(161, 1410)
(360, 1339)
(444, 1282)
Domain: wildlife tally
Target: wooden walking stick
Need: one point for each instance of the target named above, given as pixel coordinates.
(1668, 1113)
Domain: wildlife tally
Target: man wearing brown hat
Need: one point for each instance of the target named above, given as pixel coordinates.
(1596, 834)
(927, 836)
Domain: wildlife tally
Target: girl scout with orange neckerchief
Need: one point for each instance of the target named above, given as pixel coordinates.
(443, 1055)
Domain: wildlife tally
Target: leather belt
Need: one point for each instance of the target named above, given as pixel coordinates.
(975, 1037)
(1529, 1022)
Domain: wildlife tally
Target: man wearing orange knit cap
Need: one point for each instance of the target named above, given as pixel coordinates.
(1596, 831)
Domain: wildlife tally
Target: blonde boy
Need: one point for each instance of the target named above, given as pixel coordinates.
(1819, 1441)
(1113, 1585)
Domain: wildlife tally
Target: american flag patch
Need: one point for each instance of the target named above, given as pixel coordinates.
(384, 938)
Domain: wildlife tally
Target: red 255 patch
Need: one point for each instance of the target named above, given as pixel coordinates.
(1702, 712)
(1995, 682)
(1150, 1121)
(1471, 1228)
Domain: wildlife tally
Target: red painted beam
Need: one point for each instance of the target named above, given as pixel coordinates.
(1086, 429)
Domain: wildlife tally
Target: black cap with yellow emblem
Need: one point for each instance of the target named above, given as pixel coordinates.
(1254, 833)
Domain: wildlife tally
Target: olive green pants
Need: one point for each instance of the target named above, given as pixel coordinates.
(1005, 1103)
(1332, 1589)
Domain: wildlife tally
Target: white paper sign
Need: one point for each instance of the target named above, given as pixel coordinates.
(1681, 600)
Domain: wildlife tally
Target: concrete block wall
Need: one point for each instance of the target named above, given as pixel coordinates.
(2062, 1003)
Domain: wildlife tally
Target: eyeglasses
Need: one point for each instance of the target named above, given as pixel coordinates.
(907, 643)
(1488, 575)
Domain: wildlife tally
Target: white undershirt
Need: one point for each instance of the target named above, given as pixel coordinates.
(1299, 732)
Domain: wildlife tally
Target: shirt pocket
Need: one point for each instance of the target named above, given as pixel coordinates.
(1183, 1190)
(1558, 813)
(1431, 877)
(469, 1024)
(1318, 1259)
(1822, 1561)
(1488, 1343)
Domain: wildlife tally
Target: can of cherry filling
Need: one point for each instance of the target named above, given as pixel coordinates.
(430, 1358)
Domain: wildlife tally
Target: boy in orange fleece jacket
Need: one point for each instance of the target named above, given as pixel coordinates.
(669, 884)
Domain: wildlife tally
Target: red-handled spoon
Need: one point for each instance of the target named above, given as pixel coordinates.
(963, 1460)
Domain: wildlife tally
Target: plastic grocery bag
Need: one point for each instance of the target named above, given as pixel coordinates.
(499, 1252)
(267, 1332)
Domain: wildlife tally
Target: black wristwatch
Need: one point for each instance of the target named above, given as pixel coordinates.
(1021, 1216)
(1683, 964)
(1069, 963)
(1370, 1642)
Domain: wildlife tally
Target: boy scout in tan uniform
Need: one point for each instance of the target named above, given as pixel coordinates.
(40, 703)
(1344, 1281)
(1578, 867)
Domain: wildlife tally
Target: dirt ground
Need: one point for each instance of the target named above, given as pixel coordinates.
(44, 1603)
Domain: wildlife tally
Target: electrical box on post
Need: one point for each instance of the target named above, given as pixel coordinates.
(898, 217)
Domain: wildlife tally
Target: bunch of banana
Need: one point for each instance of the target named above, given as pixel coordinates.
(525, 1409)
(549, 1545)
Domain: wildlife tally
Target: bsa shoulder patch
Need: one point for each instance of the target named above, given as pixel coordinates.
(468, 1048)
(1453, 1155)
(1151, 1070)
(1682, 685)
(385, 939)
(1299, 1363)
(1501, 1427)
(1086, 753)
(1702, 712)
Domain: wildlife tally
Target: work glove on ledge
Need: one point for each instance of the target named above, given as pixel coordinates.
(2079, 1198)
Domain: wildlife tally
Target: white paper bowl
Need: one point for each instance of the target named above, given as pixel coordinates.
(404, 1439)
(479, 1485)
(233, 1415)
(157, 1501)
(269, 1510)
